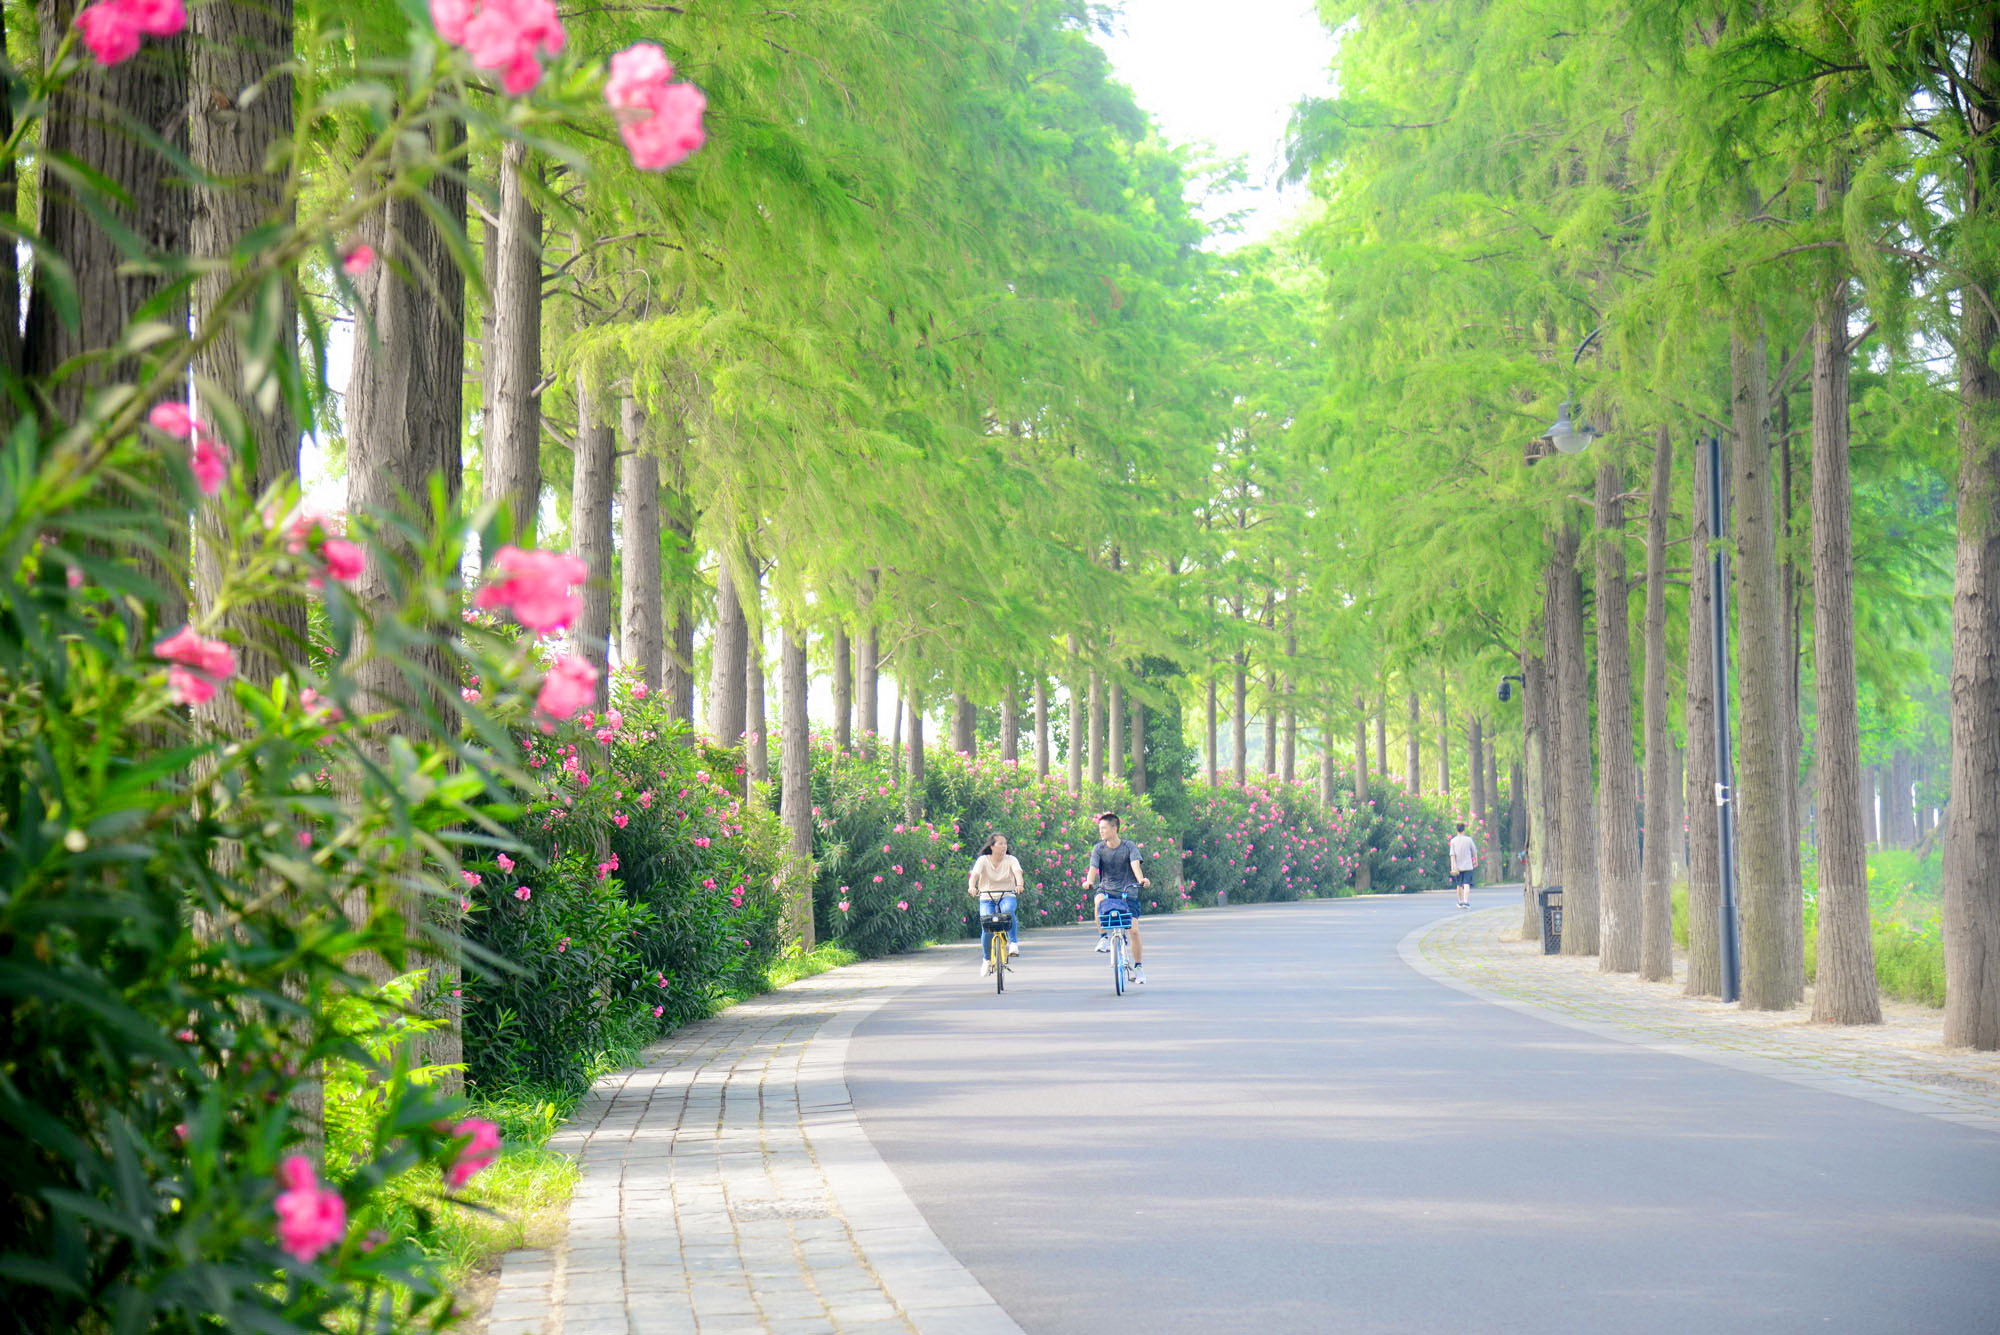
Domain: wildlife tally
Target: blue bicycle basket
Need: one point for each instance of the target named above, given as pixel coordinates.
(1113, 915)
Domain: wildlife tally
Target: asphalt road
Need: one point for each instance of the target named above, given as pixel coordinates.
(1288, 1129)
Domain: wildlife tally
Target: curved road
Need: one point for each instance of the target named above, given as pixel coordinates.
(1291, 1130)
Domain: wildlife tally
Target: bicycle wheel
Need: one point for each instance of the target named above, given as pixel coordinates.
(999, 954)
(1118, 963)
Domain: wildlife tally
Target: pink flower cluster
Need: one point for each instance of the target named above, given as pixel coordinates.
(660, 120)
(537, 588)
(311, 1217)
(111, 29)
(208, 460)
(566, 688)
(481, 1148)
(504, 35)
(199, 665)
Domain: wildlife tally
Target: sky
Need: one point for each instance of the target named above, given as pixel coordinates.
(1226, 75)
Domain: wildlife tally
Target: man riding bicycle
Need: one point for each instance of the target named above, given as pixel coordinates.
(1115, 870)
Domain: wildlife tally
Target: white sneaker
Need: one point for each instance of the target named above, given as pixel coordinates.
(1138, 973)
(1103, 945)
(1013, 949)
(986, 968)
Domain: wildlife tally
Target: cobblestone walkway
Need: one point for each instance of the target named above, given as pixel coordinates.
(728, 1188)
(1902, 1062)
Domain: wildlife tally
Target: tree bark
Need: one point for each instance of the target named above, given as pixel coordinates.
(1115, 745)
(1138, 771)
(1475, 755)
(795, 792)
(643, 603)
(1900, 810)
(756, 725)
(590, 529)
(964, 721)
(1043, 752)
(1846, 987)
(727, 709)
(1619, 895)
(1414, 770)
(1240, 722)
(1517, 819)
(677, 517)
(1972, 821)
(868, 668)
(1444, 741)
(843, 690)
(511, 472)
(1581, 914)
(1078, 728)
(1496, 865)
(1096, 728)
(1656, 927)
(1538, 759)
(1763, 812)
(1704, 899)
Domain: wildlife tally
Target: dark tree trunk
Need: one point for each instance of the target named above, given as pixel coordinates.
(1240, 721)
(795, 792)
(1010, 721)
(1414, 770)
(1899, 811)
(727, 709)
(1444, 741)
(1763, 812)
(843, 690)
(1541, 788)
(1475, 756)
(1618, 892)
(1139, 784)
(1846, 989)
(868, 670)
(1041, 728)
(1495, 862)
(1096, 728)
(1663, 834)
(1972, 822)
(756, 726)
(1329, 790)
(1115, 745)
(511, 473)
(1571, 701)
(1214, 739)
(1517, 819)
(964, 722)
(590, 528)
(1704, 911)
(642, 611)
(677, 518)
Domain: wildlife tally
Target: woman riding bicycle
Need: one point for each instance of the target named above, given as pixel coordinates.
(996, 877)
(1114, 866)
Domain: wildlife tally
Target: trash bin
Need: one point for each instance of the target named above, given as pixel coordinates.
(1222, 899)
(1551, 900)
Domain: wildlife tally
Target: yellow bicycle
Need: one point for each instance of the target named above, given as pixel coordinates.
(996, 924)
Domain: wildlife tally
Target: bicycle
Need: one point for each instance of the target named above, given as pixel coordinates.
(996, 924)
(1115, 920)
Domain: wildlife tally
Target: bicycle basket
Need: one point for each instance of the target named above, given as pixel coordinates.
(1114, 917)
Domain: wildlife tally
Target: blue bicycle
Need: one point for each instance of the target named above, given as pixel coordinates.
(1115, 920)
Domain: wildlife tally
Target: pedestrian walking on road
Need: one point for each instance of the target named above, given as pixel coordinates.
(1115, 871)
(1464, 857)
(997, 873)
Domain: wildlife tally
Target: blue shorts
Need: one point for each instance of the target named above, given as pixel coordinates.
(1463, 878)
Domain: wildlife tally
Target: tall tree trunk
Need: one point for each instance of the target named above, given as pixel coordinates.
(1382, 732)
(1618, 889)
(1138, 771)
(677, 518)
(795, 791)
(1041, 727)
(756, 726)
(1495, 863)
(1078, 728)
(1444, 742)
(913, 795)
(511, 471)
(843, 690)
(1115, 746)
(727, 677)
(1581, 916)
(1271, 724)
(1900, 810)
(1214, 740)
(1972, 821)
(1763, 812)
(104, 119)
(1475, 758)
(1517, 819)
(964, 722)
(1846, 991)
(1010, 721)
(1656, 926)
(590, 529)
(1538, 759)
(643, 604)
(1096, 728)
(1704, 899)
(1240, 722)
(1363, 873)
(1414, 770)
(868, 668)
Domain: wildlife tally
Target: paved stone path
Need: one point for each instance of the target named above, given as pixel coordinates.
(727, 1188)
(1901, 1063)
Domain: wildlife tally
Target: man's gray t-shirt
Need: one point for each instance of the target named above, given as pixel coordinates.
(1114, 865)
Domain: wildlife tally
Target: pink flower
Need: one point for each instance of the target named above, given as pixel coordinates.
(358, 260)
(481, 1150)
(660, 120)
(639, 691)
(658, 1011)
(344, 560)
(198, 666)
(903, 904)
(521, 892)
(209, 462)
(172, 418)
(620, 819)
(536, 587)
(506, 863)
(843, 906)
(567, 687)
(502, 35)
(898, 869)
(469, 877)
(562, 945)
(111, 30)
(311, 1218)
